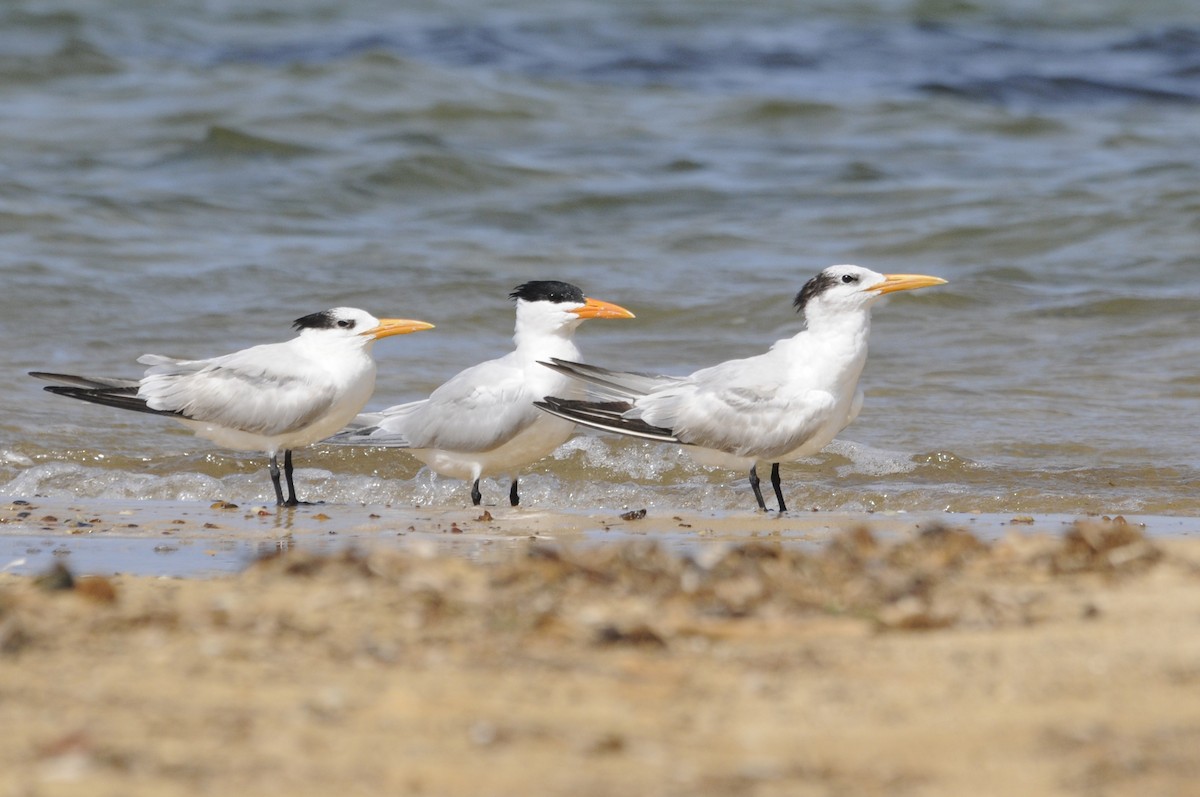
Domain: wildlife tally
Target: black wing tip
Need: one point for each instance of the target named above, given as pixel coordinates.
(85, 393)
(122, 398)
(566, 367)
(606, 416)
(53, 376)
(92, 393)
(583, 405)
(569, 366)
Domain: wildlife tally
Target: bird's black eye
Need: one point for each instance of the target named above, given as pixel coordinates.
(849, 278)
(346, 323)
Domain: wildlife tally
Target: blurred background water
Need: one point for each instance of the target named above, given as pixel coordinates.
(188, 177)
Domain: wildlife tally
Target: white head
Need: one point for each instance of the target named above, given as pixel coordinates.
(553, 306)
(354, 326)
(846, 289)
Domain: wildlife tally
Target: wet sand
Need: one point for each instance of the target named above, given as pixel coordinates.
(452, 652)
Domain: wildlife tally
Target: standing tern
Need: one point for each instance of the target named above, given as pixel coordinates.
(787, 403)
(273, 397)
(483, 421)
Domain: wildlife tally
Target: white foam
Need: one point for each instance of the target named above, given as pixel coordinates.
(634, 459)
(588, 473)
(14, 458)
(868, 461)
(70, 480)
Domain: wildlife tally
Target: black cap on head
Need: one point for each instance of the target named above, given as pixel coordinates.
(326, 319)
(813, 288)
(321, 320)
(548, 291)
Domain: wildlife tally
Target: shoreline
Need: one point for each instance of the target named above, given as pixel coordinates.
(925, 662)
(172, 538)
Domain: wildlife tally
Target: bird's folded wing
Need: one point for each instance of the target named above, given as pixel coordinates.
(476, 417)
(478, 409)
(258, 391)
(739, 420)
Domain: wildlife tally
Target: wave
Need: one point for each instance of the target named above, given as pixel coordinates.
(1041, 90)
(594, 473)
(75, 56)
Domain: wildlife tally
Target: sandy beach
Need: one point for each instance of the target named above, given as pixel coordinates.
(518, 652)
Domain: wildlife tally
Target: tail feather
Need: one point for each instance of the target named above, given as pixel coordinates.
(607, 416)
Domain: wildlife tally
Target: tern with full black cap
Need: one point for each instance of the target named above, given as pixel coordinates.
(482, 422)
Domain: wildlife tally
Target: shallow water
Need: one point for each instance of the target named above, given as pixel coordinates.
(182, 540)
(189, 178)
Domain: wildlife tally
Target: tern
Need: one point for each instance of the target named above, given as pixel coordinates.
(784, 404)
(483, 420)
(270, 398)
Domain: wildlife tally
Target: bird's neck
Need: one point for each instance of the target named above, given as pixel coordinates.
(341, 355)
(538, 342)
(841, 340)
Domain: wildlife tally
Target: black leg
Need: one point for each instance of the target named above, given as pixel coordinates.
(287, 473)
(476, 496)
(754, 486)
(293, 500)
(273, 467)
(513, 498)
(778, 489)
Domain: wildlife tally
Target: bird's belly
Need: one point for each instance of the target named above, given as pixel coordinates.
(711, 458)
(538, 440)
(812, 445)
(781, 452)
(232, 439)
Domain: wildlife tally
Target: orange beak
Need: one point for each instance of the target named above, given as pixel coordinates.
(594, 308)
(906, 282)
(395, 326)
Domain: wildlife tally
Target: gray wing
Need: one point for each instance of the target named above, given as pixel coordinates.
(740, 407)
(268, 390)
(478, 409)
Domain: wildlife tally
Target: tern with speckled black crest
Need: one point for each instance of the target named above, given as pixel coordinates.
(784, 404)
(270, 398)
(483, 420)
